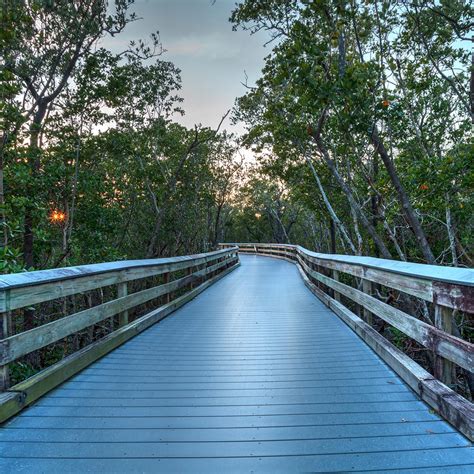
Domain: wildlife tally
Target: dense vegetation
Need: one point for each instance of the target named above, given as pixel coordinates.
(361, 124)
(93, 165)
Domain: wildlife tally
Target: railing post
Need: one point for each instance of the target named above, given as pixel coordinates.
(122, 290)
(335, 276)
(444, 369)
(166, 278)
(5, 331)
(189, 271)
(367, 289)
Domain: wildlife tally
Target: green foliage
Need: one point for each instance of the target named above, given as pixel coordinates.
(90, 135)
(337, 72)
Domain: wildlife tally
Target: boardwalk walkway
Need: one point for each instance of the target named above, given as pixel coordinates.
(255, 374)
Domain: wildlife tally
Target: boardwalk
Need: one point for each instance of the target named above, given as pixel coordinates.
(255, 374)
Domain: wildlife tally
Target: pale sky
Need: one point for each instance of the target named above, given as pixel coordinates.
(199, 40)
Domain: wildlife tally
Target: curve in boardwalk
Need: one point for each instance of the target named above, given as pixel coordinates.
(255, 374)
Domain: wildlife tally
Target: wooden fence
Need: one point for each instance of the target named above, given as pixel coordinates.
(447, 289)
(180, 280)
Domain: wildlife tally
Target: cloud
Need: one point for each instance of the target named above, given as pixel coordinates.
(199, 39)
(214, 47)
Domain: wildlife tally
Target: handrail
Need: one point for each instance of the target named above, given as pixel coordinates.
(180, 279)
(446, 288)
(16, 292)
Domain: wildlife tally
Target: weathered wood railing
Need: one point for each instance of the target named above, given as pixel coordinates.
(448, 289)
(179, 280)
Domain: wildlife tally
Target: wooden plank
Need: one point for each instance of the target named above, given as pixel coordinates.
(335, 277)
(240, 449)
(444, 369)
(455, 275)
(23, 343)
(30, 390)
(421, 461)
(454, 295)
(54, 435)
(367, 289)
(166, 279)
(410, 285)
(452, 348)
(122, 291)
(59, 274)
(5, 331)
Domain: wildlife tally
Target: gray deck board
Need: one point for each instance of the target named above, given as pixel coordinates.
(255, 374)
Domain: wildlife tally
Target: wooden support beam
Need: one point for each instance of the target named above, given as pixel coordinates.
(444, 369)
(166, 280)
(122, 290)
(189, 271)
(367, 289)
(5, 331)
(335, 277)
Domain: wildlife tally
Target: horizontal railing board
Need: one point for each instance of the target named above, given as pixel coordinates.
(457, 275)
(30, 288)
(413, 286)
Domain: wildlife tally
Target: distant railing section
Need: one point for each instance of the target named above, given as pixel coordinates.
(448, 289)
(179, 280)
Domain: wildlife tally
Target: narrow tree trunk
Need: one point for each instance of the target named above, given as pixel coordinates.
(217, 225)
(352, 202)
(404, 200)
(3, 218)
(332, 213)
(332, 230)
(471, 85)
(34, 161)
(451, 235)
(357, 232)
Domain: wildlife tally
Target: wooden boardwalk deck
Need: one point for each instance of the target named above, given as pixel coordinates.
(255, 374)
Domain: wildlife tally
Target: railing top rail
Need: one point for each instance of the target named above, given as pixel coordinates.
(253, 244)
(456, 275)
(39, 277)
(453, 275)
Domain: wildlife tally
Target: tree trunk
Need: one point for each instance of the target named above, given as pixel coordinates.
(451, 235)
(404, 200)
(333, 236)
(3, 218)
(352, 202)
(332, 213)
(34, 162)
(217, 225)
(471, 86)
